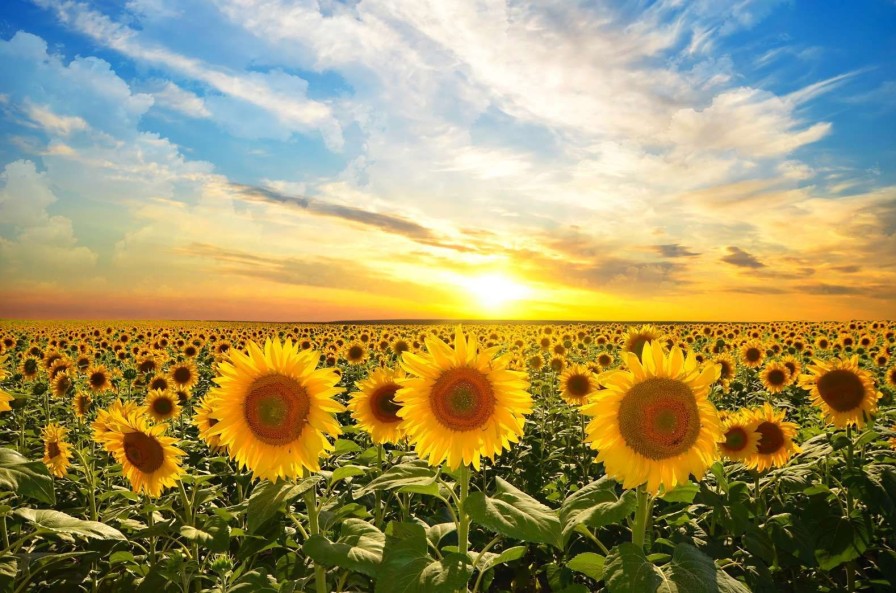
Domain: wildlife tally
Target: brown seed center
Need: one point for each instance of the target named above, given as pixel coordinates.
(771, 438)
(841, 389)
(659, 418)
(182, 375)
(383, 404)
(462, 399)
(143, 452)
(276, 409)
(578, 385)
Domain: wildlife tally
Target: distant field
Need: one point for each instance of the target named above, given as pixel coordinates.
(513, 456)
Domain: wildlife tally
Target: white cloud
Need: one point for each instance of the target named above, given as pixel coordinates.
(173, 97)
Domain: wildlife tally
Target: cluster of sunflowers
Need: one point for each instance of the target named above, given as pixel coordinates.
(273, 408)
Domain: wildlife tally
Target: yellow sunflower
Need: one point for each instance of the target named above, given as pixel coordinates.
(81, 404)
(62, 384)
(30, 367)
(184, 374)
(356, 353)
(204, 420)
(274, 409)
(99, 379)
(752, 353)
(149, 459)
(844, 392)
(654, 423)
(578, 384)
(775, 377)
(161, 405)
(775, 439)
(637, 338)
(5, 398)
(740, 436)
(56, 451)
(462, 403)
(891, 377)
(374, 407)
(105, 419)
(794, 367)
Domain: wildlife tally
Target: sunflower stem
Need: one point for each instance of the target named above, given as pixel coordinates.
(463, 525)
(377, 496)
(320, 573)
(641, 514)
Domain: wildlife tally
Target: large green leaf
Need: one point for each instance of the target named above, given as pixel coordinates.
(57, 522)
(413, 473)
(840, 540)
(270, 498)
(359, 548)
(596, 505)
(25, 478)
(692, 571)
(215, 535)
(514, 513)
(589, 564)
(408, 568)
(627, 570)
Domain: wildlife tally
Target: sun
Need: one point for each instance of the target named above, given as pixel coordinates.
(494, 291)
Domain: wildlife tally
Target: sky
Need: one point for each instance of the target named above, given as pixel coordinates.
(323, 160)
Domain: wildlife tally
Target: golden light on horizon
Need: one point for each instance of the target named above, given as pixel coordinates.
(495, 291)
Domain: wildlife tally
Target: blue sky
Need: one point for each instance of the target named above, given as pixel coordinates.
(352, 159)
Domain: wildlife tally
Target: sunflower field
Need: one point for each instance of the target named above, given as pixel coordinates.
(241, 457)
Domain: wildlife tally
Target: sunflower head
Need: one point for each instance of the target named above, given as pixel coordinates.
(654, 423)
(184, 374)
(81, 404)
(275, 410)
(204, 420)
(752, 354)
(161, 405)
(638, 337)
(374, 407)
(843, 392)
(775, 444)
(62, 384)
(775, 377)
(740, 436)
(99, 379)
(577, 384)
(462, 403)
(56, 451)
(148, 458)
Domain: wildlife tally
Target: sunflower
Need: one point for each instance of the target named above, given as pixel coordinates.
(62, 384)
(159, 381)
(56, 451)
(374, 407)
(775, 438)
(356, 353)
(204, 420)
(161, 405)
(274, 409)
(752, 353)
(30, 367)
(775, 377)
(5, 398)
(794, 367)
(98, 379)
(637, 338)
(461, 404)
(654, 424)
(148, 363)
(149, 459)
(844, 392)
(105, 419)
(741, 437)
(184, 374)
(81, 404)
(604, 359)
(891, 377)
(577, 384)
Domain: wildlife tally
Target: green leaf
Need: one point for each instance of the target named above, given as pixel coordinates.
(589, 564)
(414, 473)
(684, 493)
(508, 555)
(57, 522)
(407, 567)
(347, 471)
(840, 541)
(215, 536)
(692, 571)
(359, 548)
(344, 446)
(514, 513)
(628, 571)
(25, 478)
(596, 505)
(269, 498)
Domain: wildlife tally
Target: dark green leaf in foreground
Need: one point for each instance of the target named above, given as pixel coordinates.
(596, 505)
(57, 522)
(25, 478)
(408, 568)
(359, 548)
(627, 570)
(514, 513)
(269, 498)
(414, 473)
(692, 571)
(589, 564)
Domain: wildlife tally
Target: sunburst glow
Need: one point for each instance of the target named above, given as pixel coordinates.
(496, 291)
